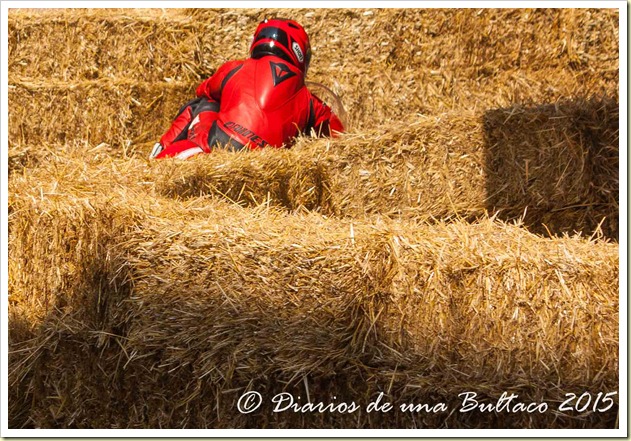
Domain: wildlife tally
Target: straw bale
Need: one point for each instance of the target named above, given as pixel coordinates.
(452, 299)
(396, 61)
(90, 44)
(56, 258)
(62, 224)
(489, 40)
(121, 113)
(224, 299)
(453, 165)
(63, 216)
(291, 179)
(472, 42)
(57, 252)
(58, 237)
(427, 168)
(556, 165)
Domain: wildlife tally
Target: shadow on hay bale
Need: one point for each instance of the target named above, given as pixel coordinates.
(21, 335)
(227, 300)
(555, 165)
(63, 282)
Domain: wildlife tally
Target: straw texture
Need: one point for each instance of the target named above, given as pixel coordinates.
(462, 236)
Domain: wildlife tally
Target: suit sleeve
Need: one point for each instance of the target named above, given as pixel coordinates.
(212, 87)
(323, 120)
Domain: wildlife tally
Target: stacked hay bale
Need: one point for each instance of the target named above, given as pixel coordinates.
(191, 307)
(116, 112)
(553, 166)
(141, 296)
(120, 77)
(282, 178)
(60, 267)
(59, 255)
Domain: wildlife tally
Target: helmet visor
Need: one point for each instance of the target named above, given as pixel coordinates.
(275, 34)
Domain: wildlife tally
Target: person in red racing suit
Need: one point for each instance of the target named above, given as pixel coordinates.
(258, 102)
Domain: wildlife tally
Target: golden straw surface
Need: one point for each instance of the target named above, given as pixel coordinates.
(461, 236)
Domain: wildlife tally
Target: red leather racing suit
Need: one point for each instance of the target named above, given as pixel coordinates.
(250, 103)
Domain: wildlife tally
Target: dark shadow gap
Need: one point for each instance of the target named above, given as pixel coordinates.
(555, 166)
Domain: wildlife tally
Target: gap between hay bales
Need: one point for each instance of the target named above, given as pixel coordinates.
(555, 165)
